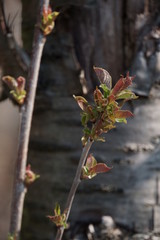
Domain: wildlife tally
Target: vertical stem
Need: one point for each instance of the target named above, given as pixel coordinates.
(19, 190)
(74, 186)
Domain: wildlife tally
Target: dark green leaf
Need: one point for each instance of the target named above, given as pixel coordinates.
(84, 118)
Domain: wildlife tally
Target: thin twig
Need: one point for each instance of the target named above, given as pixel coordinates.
(74, 186)
(26, 111)
(7, 28)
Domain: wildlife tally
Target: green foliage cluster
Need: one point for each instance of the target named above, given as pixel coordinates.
(107, 108)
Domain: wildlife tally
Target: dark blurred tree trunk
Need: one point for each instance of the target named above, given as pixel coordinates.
(117, 35)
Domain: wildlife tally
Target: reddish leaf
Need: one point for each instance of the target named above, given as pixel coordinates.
(30, 176)
(122, 84)
(48, 20)
(103, 76)
(91, 161)
(100, 168)
(21, 83)
(98, 97)
(82, 102)
(59, 219)
(46, 11)
(123, 114)
(11, 82)
(56, 220)
(111, 98)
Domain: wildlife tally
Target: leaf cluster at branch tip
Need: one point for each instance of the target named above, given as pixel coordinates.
(107, 108)
(48, 20)
(59, 218)
(92, 168)
(16, 87)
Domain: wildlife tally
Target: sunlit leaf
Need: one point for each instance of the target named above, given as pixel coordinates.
(123, 114)
(91, 161)
(102, 116)
(11, 82)
(105, 89)
(100, 139)
(103, 76)
(82, 102)
(121, 120)
(57, 210)
(122, 84)
(98, 97)
(100, 168)
(48, 20)
(126, 94)
(55, 15)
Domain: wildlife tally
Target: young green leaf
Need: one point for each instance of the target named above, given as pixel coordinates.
(121, 120)
(57, 210)
(126, 94)
(105, 89)
(48, 20)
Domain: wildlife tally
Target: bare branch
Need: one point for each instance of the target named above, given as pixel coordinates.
(74, 187)
(26, 111)
(7, 26)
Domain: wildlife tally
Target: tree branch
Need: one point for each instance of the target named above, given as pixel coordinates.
(74, 186)
(19, 53)
(26, 111)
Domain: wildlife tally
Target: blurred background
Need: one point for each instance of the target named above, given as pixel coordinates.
(118, 36)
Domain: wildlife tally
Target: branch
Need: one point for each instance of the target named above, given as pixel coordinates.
(26, 111)
(19, 53)
(75, 185)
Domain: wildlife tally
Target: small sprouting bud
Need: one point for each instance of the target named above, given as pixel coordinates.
(92, 168)
(16, 87)
(48, 20)
(30, 176)
(59, 219)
